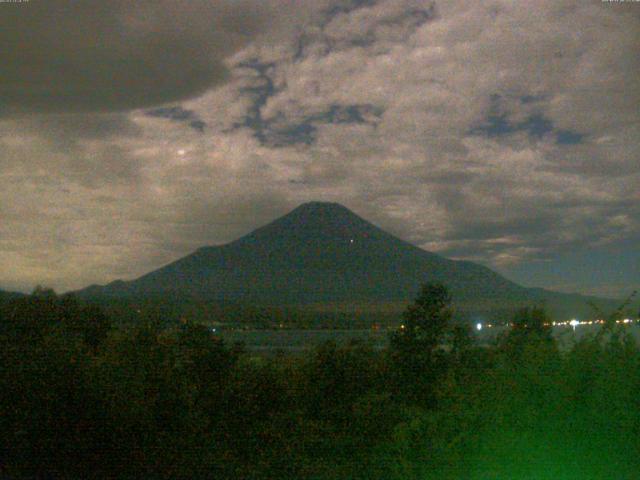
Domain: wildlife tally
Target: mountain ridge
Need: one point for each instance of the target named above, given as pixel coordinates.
(320, 252)
(8, 295)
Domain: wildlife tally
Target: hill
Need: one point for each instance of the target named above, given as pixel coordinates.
(322, 254)
(4, 295)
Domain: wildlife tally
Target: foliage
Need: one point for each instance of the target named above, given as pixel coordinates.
(427, 319)
(413, 347)
(81, 398)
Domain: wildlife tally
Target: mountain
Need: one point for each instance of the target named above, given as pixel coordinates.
(4, 295)
(324, 254)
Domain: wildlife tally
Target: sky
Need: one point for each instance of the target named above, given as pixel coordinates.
(502, 132)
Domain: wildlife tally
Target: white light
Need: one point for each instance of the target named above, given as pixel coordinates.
(478, 326)
(181, 152)
(574, 323)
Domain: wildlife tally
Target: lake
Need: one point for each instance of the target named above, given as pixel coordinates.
(292, 341)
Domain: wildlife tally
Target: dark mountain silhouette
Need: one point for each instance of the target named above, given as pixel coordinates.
(323, 253)
(5, 295)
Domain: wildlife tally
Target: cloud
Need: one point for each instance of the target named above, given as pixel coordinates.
(502, 132)
(536, 125)
(179, 114)
(66, 55)
(545, 174)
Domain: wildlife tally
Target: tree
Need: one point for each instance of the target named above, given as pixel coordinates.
(96, 326)
(529, 335)
(611, 326)
(461, 339)
(532, 321)
(427, 319)
(414, 346)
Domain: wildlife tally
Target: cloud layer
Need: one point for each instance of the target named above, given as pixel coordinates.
(502, 132)
(67, 55)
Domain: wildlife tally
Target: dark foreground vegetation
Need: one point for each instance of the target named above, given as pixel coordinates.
(80, 398)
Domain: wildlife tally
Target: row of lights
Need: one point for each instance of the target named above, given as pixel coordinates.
(572, 323)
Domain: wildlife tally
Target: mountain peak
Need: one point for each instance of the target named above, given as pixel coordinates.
(322, 253)
(319, 205)
(322, 208)
(313, 221)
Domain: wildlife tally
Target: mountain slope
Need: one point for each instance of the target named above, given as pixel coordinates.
(6, 298)
(318, 253)
(4, 295)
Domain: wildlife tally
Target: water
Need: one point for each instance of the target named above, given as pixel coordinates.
(300, 340)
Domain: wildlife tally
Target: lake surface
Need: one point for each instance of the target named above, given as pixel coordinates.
(292, 341)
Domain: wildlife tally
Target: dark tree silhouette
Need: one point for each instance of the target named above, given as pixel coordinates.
(534, 320)
(427, 319)
(414, 346)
